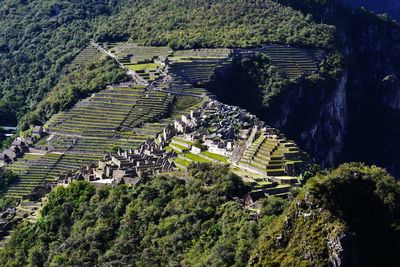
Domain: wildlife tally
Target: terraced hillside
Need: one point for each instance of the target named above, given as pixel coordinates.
(99, 115)
(272, 156)
(33, 172)
(145, 61)
(107, 120)
(128, 53)
(86, 56)
(294, 62)
(125, 116)
(188, 69)
(36, 169)
(119, 117)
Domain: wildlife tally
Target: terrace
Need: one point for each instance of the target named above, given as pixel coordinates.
(86, 56)
(294, 62)
(272, 156)
(37, 171)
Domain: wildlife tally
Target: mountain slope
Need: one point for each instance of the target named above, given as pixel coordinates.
(164, 221)
(348, 217)
(38, 38)
(350, 110)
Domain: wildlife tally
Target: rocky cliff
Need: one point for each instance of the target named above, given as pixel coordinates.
(359, 120)
(355, 117)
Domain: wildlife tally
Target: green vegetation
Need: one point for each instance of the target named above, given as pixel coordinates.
(266, 83)
(182, 148)
(170, 221)
(184, 102)
(180, 140)
(182, 162)
(5, 141)
(195, 158)
(196, 219)
(163, 221)
(75, 85)
(223, 23)
(215, 156)
(6, 179)
(355, 205)
(262, 80)
(33, 173)
(146, 66)
(40, 38)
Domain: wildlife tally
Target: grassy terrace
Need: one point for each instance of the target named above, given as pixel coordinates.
(177, 148)
(86, 56)
(203, 53)
(196, 70)
(149, 71)
(294, 62)
(71, 162)
(152, 106)
(189, 67)
(93, 127)
(269, 155)
(36, 169)
(195, 158)
(182, 163)
(178, 84)
(214, 156)
(144, 66)
(180, 140)
(130, 53)
(99, 115)
(34, 173)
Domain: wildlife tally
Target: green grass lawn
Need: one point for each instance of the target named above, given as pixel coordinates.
(215, 156)
(183, 148)
(263, 183)
(183, 141)
(182, 162)
(195, 158)
(145, 66)
(29, 156)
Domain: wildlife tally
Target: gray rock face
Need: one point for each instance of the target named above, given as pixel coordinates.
(358, 118)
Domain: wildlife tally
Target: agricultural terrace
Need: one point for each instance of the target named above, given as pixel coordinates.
(87, 55)
(125, 116)
(190, 68)
(294, 62)
(33, 170)
(273, 156)
(120, 117)
(146, 61)
(131, 54)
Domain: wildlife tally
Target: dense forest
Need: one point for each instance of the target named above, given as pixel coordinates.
(265, 85)
(164, 221)
(199, 220)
